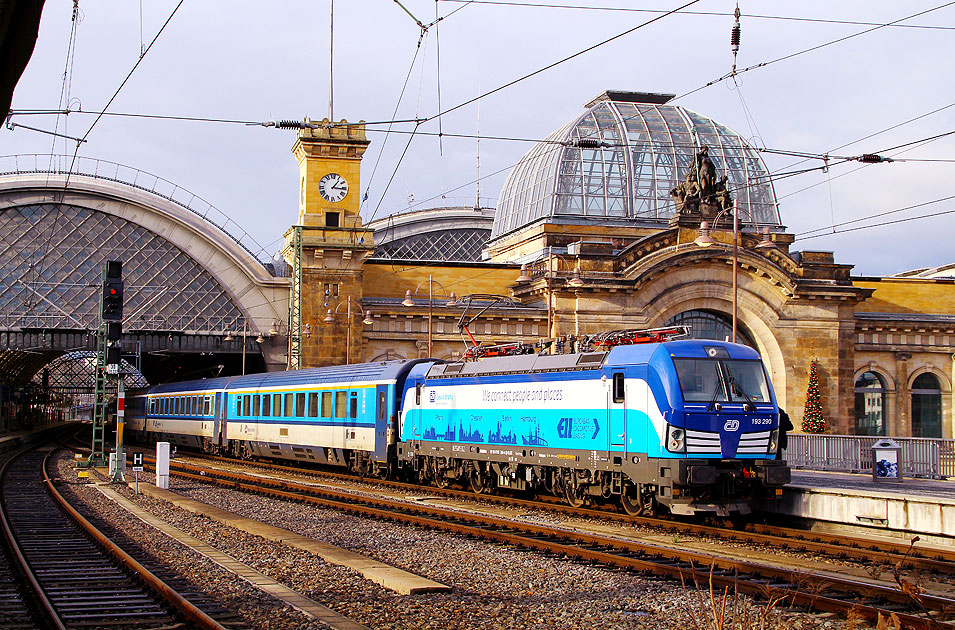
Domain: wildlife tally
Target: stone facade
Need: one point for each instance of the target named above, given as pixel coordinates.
(795, 307)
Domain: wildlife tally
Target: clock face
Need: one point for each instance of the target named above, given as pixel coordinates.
(333, 187)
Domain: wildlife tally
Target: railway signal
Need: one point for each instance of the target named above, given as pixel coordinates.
(112, 304)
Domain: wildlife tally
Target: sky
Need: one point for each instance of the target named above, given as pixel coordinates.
(253, 62)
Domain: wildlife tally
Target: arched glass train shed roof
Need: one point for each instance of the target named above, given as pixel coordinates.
(619, 160)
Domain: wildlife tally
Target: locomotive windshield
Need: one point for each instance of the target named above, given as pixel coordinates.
(722, 380)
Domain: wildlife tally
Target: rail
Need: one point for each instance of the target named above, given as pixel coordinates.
(37, 163)
(919, 457)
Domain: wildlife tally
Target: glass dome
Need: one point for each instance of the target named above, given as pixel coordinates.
(619, 160)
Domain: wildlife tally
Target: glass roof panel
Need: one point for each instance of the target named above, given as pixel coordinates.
(644, 150)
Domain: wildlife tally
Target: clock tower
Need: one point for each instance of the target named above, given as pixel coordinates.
(327, 247)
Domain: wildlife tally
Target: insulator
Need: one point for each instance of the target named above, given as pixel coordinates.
(588, 143)
(734, 37)
(288, 124)
(872, 158)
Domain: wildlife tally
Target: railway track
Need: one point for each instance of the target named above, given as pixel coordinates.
(74, 574)
(856, 548)
(828, 593)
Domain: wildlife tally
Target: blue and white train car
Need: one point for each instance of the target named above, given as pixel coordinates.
(691, 425)
(342, 415)
(186, 414)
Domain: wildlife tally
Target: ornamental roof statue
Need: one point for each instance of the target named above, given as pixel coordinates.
(700, 193)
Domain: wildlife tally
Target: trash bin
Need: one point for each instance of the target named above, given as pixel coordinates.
(885, 461)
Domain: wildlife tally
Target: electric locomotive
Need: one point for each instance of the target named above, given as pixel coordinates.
(690, 425)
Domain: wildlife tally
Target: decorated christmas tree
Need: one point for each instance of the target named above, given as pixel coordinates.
(812, 419)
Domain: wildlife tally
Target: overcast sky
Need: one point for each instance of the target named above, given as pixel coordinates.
(254, 61)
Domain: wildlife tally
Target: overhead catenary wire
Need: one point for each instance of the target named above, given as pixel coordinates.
(785, 18)
(874, 216)
(49, 239)
(561, 61)
(882, 224)
(381, 149)
(810, 49)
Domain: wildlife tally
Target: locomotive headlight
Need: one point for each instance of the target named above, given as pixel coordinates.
(676, 439)
(773, 440)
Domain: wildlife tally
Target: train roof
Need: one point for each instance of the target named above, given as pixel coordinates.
(520, 363)
(205, 384)
(700, 349)
(636, 354)
(356, 372)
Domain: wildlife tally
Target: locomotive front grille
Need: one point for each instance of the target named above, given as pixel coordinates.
(708, 443)
(699, 442)
(753, 443)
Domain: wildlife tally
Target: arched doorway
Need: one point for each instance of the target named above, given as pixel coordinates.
(870, 404)
(926, 406)
(705, 324)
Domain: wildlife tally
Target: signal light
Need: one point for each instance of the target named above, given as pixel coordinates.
(112, 300)
(113, 355)
(112, 304)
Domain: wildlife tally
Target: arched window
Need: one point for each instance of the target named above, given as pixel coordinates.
(870, 405)
(710, 325)
(926, 406)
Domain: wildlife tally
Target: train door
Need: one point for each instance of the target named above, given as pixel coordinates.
(384, 434)
(617, 410)
(218, 414)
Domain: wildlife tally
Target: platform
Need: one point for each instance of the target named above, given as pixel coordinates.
(834, 501)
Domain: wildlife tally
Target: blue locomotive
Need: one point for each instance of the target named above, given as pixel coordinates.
(689, 425)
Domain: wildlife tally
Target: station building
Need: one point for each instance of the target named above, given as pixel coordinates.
(599, 227)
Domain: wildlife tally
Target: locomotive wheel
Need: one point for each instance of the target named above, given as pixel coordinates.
(573, 495)
(572, 491)
(631, 501)
(477, 481)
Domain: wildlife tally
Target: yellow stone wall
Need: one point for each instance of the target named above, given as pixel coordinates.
(393, 279)
(909, 295)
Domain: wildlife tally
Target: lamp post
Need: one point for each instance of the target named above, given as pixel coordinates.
(330, 319)
(409, 301)
(705, 240)
(245, 333)
(575, 281)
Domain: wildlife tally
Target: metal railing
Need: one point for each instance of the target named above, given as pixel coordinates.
(919, 457)
(115, 172)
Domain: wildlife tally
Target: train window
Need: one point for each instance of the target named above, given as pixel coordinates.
(256, 405)
(341, 399)
(326, 404)
(313, 404)
(247, 405)
(205, 406)
(746, 380)
(618, 387)
(417, 394)
(382, 404)
(276, 404)
(193, 405)
(289, 406)
(353, 405)
(266, 405)
(300, 405)
(700, 380)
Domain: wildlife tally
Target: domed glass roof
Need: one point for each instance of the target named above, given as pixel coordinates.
(619, 160)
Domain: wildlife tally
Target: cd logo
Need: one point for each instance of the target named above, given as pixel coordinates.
(731, 425)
